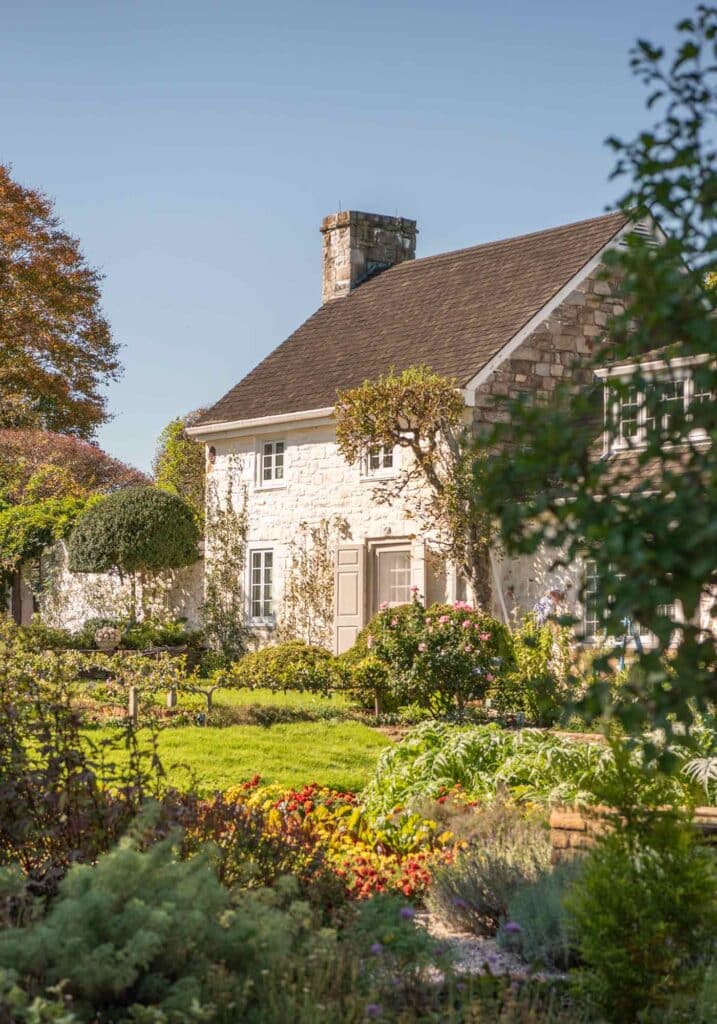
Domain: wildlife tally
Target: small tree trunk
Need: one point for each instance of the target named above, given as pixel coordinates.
(133, 704)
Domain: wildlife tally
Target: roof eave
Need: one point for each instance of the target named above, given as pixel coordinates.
(237, 428)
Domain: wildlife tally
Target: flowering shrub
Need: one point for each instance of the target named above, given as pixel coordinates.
(442, 656)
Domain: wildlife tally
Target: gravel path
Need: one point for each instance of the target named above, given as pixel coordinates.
(476, 954)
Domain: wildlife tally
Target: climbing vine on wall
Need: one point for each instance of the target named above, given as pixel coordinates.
(307, 608)
(224, 611)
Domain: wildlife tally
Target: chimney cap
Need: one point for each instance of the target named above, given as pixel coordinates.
(347, 218)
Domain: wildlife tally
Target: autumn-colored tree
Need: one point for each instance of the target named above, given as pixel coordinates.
(423, 412)
(56, 349)
(40, 464)
(178, 463)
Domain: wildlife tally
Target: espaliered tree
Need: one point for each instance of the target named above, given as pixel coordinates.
(136, 533)
(56, 348)
(424, 413)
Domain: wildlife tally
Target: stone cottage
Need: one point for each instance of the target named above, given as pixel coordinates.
(505, 317)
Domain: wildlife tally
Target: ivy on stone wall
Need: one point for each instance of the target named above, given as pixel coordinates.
(307, 607)
(226, 527)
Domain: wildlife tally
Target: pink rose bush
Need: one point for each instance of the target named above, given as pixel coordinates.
(440, 657)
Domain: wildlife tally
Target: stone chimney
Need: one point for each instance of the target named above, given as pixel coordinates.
(359, 245)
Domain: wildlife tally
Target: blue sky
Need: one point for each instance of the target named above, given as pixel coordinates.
(195, 147)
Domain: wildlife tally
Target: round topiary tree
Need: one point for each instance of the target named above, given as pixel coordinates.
(135, 532)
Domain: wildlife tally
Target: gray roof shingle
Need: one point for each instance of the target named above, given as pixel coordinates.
(453, 312)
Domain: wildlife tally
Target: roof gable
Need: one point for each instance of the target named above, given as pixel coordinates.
(453, 312)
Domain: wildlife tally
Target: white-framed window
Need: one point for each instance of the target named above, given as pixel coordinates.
(391, 574)
(271, 463)
(594, 608)
(379, 460)
(261, 584)
(635, 415)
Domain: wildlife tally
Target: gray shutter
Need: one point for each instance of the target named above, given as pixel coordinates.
(349, 595)
(418, 567)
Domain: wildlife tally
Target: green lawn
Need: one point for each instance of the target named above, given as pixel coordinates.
(337, 754)
(290, 699)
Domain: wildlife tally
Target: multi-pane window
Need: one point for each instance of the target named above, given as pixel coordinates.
(393, 576)
(595, 607)
(272, 461)
(262, 584)
(636, 415)
(592, 606)
(378, 461)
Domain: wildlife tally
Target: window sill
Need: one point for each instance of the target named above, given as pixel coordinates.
(279, 485)
(377, 478)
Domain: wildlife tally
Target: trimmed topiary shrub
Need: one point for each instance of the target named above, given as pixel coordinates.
(136, 532)
(138, 529)
(289, 666)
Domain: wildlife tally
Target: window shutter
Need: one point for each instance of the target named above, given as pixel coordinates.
(349, 595)
(418, 567)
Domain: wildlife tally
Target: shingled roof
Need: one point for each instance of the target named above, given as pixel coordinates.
(452, 312)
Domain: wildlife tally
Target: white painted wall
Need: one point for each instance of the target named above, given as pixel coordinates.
(69, 599)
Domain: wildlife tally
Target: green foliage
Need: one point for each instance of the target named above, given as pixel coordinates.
(148, 929)
(26, 530)
(647, 518)
(422, 412)
(537, 685)
(135, 530)
(307, 602)
(178, 463)
(643, 913)
(441, 657)
(224, 609)
(538, 910)
(288, 666)
(510, 849)
(529, 764)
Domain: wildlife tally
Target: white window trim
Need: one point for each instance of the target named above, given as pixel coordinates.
(368, 474)
(259, 482)
(656, 371)
(648, 639)
(260, 620)
(375, 547)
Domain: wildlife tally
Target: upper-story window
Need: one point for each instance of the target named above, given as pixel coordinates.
(634, 415)
(271, 464)
(378, 460)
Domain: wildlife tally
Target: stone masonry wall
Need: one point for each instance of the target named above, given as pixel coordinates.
(543, 361)
(573, 832)
(318, 484)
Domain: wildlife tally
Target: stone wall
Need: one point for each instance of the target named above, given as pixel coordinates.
(356, 245)
(573, 832)
(68, 599)
(318, 484)
(548, 356)
(546, 359)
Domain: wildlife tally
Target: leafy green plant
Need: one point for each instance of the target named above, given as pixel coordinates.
(144, 928)
(536, 924)
(224, 609)
(441, 657)
(288, 666)
(537, 684)
(136, 532)
(643, 913)
(509, 849)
